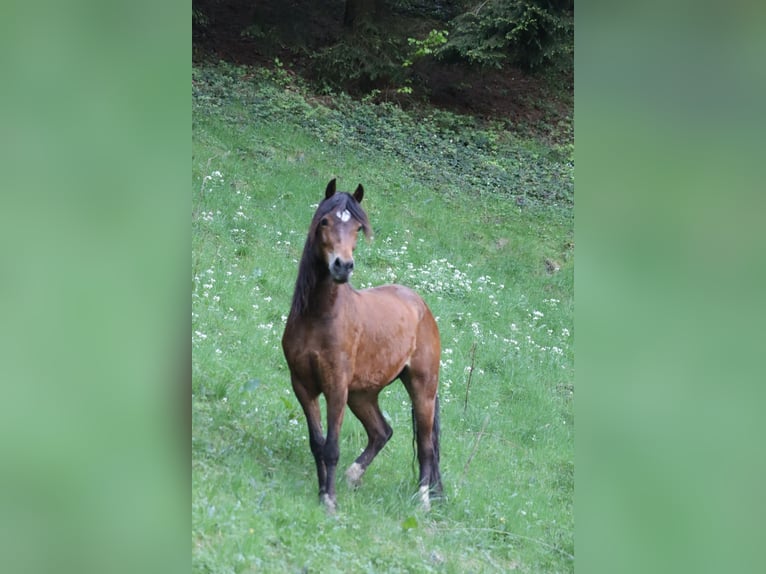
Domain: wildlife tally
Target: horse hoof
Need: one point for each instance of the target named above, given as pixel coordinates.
(354, 475)
(329, 503)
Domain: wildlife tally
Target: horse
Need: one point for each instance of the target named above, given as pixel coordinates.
(349, 345)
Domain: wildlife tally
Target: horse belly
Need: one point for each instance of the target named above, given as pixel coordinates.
(387, 335)
(378, 365)
(371, 381)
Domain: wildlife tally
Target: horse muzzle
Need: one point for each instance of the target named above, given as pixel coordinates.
(341, 270)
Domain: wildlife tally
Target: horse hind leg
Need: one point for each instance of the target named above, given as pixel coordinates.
(427, 439)
(425, 410)
(365, 408)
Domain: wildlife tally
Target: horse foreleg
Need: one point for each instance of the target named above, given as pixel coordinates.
(336, 406)
(310, 405)
(316, 443)
(365, 408)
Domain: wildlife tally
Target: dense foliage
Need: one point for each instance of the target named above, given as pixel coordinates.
(360, 45)
(530, 33)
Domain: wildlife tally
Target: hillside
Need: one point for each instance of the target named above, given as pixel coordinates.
(479, 221)
(240, 32)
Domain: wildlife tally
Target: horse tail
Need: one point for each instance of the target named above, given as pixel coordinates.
(435, 432)
(436, 479)
(414, 440)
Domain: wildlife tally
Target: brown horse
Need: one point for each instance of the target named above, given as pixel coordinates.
(350, 344)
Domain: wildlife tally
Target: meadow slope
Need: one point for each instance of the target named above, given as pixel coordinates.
(475, 218)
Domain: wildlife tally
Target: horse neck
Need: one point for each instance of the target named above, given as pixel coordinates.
(315, 291)
(326, 296)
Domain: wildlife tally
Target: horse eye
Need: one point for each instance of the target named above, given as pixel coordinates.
(324, 222)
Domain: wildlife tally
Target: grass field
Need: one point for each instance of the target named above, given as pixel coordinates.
(480, 222)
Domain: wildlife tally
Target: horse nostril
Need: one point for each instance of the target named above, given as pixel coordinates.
(341, 267)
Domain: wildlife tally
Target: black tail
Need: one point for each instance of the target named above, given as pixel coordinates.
(414, 442)
(436, 479)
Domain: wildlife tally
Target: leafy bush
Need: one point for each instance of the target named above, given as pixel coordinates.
(427, 46)
(363, 60)
(529, 33)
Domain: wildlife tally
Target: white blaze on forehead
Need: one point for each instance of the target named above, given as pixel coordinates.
(344, 216)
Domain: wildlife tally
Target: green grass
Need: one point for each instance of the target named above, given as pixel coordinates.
(263, 151)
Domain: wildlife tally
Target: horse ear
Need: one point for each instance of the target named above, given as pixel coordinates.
(359, 193)
(330, 191)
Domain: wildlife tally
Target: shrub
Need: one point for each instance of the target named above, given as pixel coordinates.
(528, 33)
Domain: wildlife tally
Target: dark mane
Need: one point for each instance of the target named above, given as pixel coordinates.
(310, 267)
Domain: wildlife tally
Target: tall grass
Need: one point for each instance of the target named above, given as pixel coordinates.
(497, 272)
